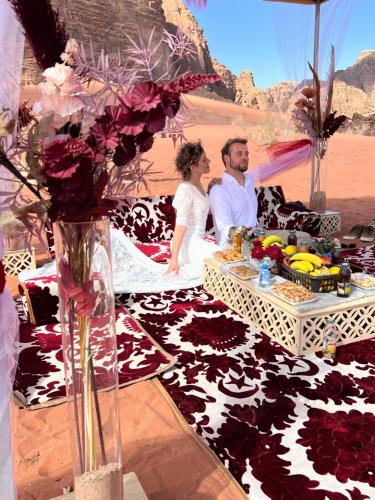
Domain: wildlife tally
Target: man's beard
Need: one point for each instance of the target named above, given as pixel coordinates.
(240, 167)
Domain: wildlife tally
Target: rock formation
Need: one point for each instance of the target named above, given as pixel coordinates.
(104, 25)
(362, 74)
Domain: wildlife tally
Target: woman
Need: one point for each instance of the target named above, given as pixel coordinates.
(138, 273)
(192, 207)
(135, 272)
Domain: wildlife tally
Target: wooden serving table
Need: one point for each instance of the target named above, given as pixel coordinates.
(297, 328)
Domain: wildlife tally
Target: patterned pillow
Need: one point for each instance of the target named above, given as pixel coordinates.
(301, 220)
(41, 300)
(147, 219)
(268, 199)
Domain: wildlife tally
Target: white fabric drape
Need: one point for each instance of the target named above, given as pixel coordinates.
(11, 50)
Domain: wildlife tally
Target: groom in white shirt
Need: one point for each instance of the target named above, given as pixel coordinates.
(233, 201)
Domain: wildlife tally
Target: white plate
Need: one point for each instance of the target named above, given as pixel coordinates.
(294, 303)
(363, 287)
(243, 277)
(229, 261)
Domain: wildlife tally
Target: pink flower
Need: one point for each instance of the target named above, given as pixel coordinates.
(83, 296)
(143, 97)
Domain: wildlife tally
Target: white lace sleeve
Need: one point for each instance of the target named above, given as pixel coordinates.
(183, 203)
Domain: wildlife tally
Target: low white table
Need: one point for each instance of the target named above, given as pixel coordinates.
(331, 222)
(297, 328)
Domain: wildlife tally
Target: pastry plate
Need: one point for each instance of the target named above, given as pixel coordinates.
(358, 285)
(230, 261)
(295, 303)
(244, 277)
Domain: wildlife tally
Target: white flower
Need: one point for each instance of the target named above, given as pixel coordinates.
(69, 56)
(58, 74)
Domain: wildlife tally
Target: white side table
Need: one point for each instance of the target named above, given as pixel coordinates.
(331, 222)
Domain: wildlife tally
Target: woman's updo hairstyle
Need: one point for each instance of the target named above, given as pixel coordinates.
(187, 156)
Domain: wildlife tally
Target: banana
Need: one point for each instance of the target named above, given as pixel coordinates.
(315, 260)
(301, 265)
(272, 238)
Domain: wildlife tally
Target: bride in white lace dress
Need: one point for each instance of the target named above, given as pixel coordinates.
(134, 272)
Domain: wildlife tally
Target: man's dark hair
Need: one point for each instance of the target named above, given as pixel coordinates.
(225, 150)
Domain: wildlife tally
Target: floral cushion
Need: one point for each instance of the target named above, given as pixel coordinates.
(41, 300)
(268, 199)
(301, 220)
(360, 258)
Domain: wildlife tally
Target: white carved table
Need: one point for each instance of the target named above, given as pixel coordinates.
(331, 223)
(297, 328)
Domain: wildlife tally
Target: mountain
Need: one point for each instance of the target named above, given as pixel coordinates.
(107, 27)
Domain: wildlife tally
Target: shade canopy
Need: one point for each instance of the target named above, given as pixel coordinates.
(301, 2)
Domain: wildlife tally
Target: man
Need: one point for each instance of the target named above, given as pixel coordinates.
(233, 201)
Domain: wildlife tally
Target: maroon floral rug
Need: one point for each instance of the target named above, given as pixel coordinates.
(360, 258)
(286, 427)
(39, 379)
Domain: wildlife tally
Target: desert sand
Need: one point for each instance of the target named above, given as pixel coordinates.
(42, 452)
(350, 179)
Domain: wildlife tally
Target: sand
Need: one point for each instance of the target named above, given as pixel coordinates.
(158, 449)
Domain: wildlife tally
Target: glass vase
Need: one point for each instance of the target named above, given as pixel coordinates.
(318, 195)
(87, 312)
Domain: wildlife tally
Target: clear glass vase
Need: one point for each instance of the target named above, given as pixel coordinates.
(318, 197)
(84, 272)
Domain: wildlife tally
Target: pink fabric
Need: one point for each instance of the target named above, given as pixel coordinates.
(285, 157)
(9, 325)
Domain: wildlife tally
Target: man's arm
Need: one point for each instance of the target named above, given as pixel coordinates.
(222, 213)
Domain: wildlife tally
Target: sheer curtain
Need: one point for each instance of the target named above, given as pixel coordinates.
(11, 50)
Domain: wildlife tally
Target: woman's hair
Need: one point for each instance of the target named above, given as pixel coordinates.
(188, 155)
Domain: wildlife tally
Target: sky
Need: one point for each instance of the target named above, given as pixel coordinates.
(274, 40)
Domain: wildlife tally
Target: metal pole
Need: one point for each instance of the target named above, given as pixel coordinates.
(316, 68)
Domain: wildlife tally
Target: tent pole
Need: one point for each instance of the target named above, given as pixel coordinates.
(316, 69)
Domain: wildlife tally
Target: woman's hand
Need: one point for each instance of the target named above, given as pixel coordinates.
(214, 182)
(173, 267)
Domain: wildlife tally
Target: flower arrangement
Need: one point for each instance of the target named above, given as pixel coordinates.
(314, 117)
(76, 154)
(324, 246)
(274, 252)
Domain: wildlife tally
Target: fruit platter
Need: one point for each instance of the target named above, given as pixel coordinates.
(313, 271)
(297, 264)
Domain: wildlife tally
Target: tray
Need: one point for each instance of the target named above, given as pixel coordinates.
(244, 277)
(295, 304)
(229, 261)
(317, 284)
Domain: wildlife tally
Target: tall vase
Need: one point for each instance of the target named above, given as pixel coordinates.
(84, 272)
(318, 196)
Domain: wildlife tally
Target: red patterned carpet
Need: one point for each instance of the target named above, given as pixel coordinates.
(39, 379)
(286, 427)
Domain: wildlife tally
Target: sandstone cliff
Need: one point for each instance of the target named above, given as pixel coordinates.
(103, 25)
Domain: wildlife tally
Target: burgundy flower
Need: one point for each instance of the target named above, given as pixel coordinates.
(132, 122)
(274, 252)
(144, 141)
(62, 157)
(155, 121)
(125, 151)
(105, 133)
(170, 102)
(257, 252)
(143, 97)
(188, 83)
